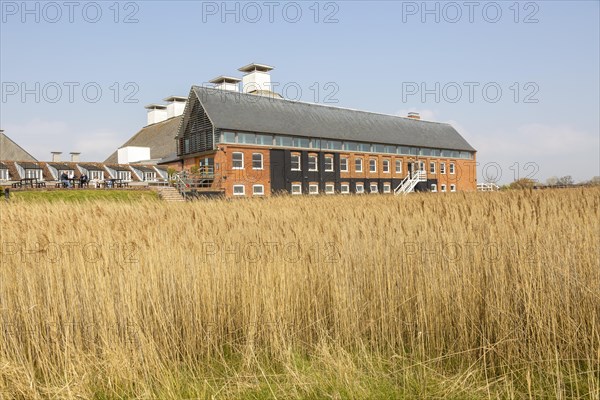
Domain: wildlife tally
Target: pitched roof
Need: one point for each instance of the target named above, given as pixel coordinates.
(29, 165)
(160, 137)
(142, 168)
(246, 112)
(9, 150)
(91, 167)
(62, 166)
(3, 166)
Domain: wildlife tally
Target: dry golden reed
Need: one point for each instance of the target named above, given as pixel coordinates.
(460, 295)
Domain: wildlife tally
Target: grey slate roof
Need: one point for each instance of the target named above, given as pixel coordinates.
(246, 112)
(160, 137)
(3, 166)
(29, 165)
(91, 167)
(62, 166)
(142, 168)
(9, 150)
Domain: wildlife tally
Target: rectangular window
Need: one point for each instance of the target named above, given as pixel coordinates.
(442, 168)
(257, 161)
(149, 176)
(432, 168)
(364, 147)
(386, 166)
(453, 188)
(301, 142)
(387, 187)
(343, 164)
(239, 190)
(378, 148)
(284, 141)
(443, 188)
(312, 163)
(247, 138)
(373, 188)
(124, 175)
(238, 160)
(296, 188)
(329, 188)
(358, 164)
(345, 188)
(265, 140)
(258, 190)
(313, 188)
(98, 175)
(398, 166)
(422, 166)
(372, 165)
(433, 187)
(315, 143)
(328, 163)
(360, 188)
(295, 162)
(390, 149)
(228, 137)
(451, 168)
(351, 146)
(425, 152)
(3, 174)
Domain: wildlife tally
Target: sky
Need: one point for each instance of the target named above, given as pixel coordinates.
(519, 80)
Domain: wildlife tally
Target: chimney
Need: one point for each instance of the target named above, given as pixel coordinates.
(257, 78)
(175, 105)
(156, 113)
(226, 83)
(74, 156)
(414, 115)
(56, 155)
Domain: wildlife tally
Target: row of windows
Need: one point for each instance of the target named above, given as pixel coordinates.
(238, 161)
(442, 188)
(313, 143)
(313, 188)
(240, 190)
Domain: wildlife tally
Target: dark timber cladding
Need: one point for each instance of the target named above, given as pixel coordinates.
(196, 131)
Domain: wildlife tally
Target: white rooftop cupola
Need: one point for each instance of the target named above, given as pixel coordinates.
(156, 113)
(257, 78)
(175, 105)
(226, 83)
(75, 156)
(56, 156)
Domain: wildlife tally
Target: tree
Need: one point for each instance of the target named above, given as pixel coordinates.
(552, 181)
(523, 183)
(566, 180)
(595, 181)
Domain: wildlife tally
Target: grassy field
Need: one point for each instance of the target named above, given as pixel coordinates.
(82, 195)
(464, 296)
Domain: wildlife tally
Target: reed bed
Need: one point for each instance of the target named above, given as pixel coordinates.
(481, 295)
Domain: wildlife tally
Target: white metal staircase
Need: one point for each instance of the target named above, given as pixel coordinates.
(410, 182)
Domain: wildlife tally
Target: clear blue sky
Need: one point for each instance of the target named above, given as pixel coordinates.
(375, 54)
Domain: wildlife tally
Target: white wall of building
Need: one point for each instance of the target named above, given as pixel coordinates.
(131, 154)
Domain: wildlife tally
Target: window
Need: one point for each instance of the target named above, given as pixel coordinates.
(373, 165)
(345, 188)
(258, 190)
(239, 190)
(284, 141)
(3, 174)
(360, 188)
(443, 188)
(312, 163)
(350, 146)
(432, 168)
(386, 166)
(343, 164)
(301, 142)
(247, 138)
(149, 176)
(33, 173)
(257, 161)
(98, 175)
(433, 187)
(124, 175)
(442, 168)
(373, 188)
(295, 162)
(422, 166)
(398, 166)
(453, 188)
(364, 147)
(333, 145)
(329, 188)
(378, 148)
(387, 187)
(313, 188)
(452, 168)
(265, 140)
(328, 163)
(390, 149)
(238, 160)
(296, 188)
(358, 164)
(228, 137)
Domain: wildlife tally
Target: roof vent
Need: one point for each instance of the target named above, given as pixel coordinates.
(175, 105)
(414, 115)
(156, 113)
(226, 83)
(56, 155)
(74, 156)
(257, 78)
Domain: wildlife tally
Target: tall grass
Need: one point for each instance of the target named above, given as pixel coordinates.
(459, 295)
